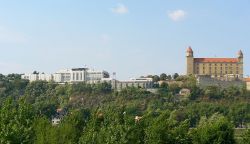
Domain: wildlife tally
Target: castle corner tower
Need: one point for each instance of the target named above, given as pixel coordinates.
(240, 63)
(190, 61)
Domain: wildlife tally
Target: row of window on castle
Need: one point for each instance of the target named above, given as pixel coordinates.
(217, 64)
(216, 72)
(218, 68)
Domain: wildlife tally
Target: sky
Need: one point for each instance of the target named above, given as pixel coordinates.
(130, 37)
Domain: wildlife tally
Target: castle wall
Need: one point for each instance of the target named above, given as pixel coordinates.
(204, 81)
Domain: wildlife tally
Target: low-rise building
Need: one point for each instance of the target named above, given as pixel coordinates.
(185, 92)
(145, 83)
(247, 80)
(57, 118)
(37, 76)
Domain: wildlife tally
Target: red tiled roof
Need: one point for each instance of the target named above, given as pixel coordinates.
(247, 79)
(216, 60)
(189, 49)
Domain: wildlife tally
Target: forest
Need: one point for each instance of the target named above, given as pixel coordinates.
(97, 114)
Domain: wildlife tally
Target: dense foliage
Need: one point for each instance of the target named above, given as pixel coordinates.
(98, 114)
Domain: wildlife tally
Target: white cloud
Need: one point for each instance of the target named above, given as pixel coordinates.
(120, 9)
(177, 15)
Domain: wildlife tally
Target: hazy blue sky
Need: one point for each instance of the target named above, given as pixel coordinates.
(129, 37)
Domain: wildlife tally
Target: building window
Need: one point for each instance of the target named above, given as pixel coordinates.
(77, 76)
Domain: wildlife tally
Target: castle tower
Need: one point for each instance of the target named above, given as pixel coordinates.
(240, 63)
(240, 56)
(190, 61)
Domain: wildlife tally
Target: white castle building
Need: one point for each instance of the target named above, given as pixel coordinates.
(70, 76)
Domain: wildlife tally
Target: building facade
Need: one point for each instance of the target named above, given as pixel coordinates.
(73, 75)
(247, 80)
(220, 68)
(144, 83)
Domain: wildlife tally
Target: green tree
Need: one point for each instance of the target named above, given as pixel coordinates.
(169, 77)
(175, 76)
(16, 122)
(212, 92)
(214, 130)
(240, 114)
(166, 130)
(43, 131)
(174, 88)
(156, 78)
(231, 92)
(163, 76)
(246, 137)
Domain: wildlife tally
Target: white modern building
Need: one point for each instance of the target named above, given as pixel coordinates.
(75, 75)
(70, 76)
(93, 76)
(35, 77)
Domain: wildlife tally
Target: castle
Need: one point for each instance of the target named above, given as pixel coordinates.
(219, 68)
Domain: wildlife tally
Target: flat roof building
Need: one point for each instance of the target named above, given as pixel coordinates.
(70, 76)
